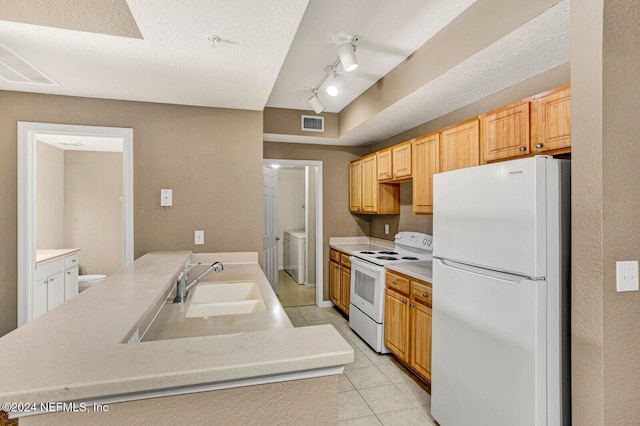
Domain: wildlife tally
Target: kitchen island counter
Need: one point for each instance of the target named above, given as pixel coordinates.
(78, 352)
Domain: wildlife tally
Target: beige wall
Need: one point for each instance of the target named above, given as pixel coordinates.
(211, 157)
(605, 95)
(50, 197)
(338, 222)
(93, 210)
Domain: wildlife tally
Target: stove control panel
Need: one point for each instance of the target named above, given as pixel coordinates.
(417, 240)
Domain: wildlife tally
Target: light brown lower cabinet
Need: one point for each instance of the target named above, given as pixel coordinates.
(407, 326)
(340, 280)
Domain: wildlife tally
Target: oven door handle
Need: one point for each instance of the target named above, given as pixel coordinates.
(363, 264)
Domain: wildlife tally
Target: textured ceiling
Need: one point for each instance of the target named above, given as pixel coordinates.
(270, 53)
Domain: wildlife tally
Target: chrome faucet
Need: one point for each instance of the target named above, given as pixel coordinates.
(183, 288)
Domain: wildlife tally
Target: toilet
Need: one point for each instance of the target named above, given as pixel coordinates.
(86, 281)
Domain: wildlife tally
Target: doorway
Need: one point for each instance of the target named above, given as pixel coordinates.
(299, 230)
(30, 135)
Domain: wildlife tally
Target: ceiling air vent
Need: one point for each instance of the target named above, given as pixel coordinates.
(15, 69)
(312, 123)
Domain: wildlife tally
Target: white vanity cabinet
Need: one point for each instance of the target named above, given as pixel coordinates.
(56, 280)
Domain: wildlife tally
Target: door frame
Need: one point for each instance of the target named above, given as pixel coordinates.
(320, 302)
(27, 197)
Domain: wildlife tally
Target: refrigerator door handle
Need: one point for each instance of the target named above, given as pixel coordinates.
(482, 272)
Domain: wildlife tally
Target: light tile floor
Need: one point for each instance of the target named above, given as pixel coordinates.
(374, 389)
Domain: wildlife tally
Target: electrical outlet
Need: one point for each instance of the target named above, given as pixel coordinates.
(198, 238)
(386, 229)
(627, 276)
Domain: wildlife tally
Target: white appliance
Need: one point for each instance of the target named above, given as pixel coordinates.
(294, 247)
(366, 311)
(500, 353)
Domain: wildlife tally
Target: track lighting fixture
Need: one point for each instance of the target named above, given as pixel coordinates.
(314, 102)
(347, 53)
(347, 60)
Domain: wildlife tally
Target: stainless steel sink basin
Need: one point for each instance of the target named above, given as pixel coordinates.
(228, 298)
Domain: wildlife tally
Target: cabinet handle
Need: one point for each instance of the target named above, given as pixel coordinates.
(52, 279)
(425, 295)
(404, 302)
(394, 282)
(411, 305)
(538, 145)
(68, 272)
(393, 174)
(523, 149)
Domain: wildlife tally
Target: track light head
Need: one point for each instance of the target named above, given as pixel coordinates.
(347, 53)
(314, 102)
(334, 86)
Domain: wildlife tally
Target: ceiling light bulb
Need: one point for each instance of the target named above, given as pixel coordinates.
(334, 87)
(347, 53)
(314, 102)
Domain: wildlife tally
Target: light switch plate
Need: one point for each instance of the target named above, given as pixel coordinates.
(198, 238)
(166, 197)
(627, 276)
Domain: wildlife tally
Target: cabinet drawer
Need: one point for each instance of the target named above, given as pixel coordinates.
(345, 261)
(334, 255)
(71, 261)
(46, 269)
(398, 283)
(421, 292)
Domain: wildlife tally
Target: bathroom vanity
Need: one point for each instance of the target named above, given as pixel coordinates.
(123, 345)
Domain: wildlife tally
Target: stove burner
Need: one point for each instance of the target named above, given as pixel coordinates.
(367, 252)
(386, 257)
(388, 252)
(409, 258)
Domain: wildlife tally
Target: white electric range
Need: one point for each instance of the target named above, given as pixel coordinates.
(366, 313)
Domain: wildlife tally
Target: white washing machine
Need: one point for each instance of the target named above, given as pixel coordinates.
(294, 254)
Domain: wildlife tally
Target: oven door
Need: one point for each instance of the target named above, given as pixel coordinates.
(367, 288)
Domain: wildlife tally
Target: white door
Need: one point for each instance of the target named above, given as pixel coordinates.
(270, 239)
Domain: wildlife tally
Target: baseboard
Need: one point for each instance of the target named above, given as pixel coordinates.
(326, 304)
(309, 285)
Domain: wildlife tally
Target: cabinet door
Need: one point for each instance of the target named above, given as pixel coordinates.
(39, 301)
(355, 186)
(401, 160)
(552, 120)
(369, 184)
(70, 283)
(396, 324)
(421, 339)
(460, 146)
(345, 287)
(426, 162)
(55, 291)
(504, 133)
(334, 283)
(384, 164)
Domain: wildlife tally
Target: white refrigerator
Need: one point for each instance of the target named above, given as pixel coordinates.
(501, 274)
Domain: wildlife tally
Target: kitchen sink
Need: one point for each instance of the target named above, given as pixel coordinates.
(228, 298)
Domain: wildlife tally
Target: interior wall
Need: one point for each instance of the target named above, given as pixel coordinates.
(93, 209)
(50, 197)
(210, 157)
(337, 221)
(605, 95)
(290, 214)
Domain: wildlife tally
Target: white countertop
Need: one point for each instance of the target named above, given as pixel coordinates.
(417, 269)
(75, 351)
(350, 245)
(48, 254)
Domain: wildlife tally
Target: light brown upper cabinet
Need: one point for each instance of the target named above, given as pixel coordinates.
(426, 162)
(504, 133)
(551, 121)
(368, 196)
(394, 163)
(460, 146)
